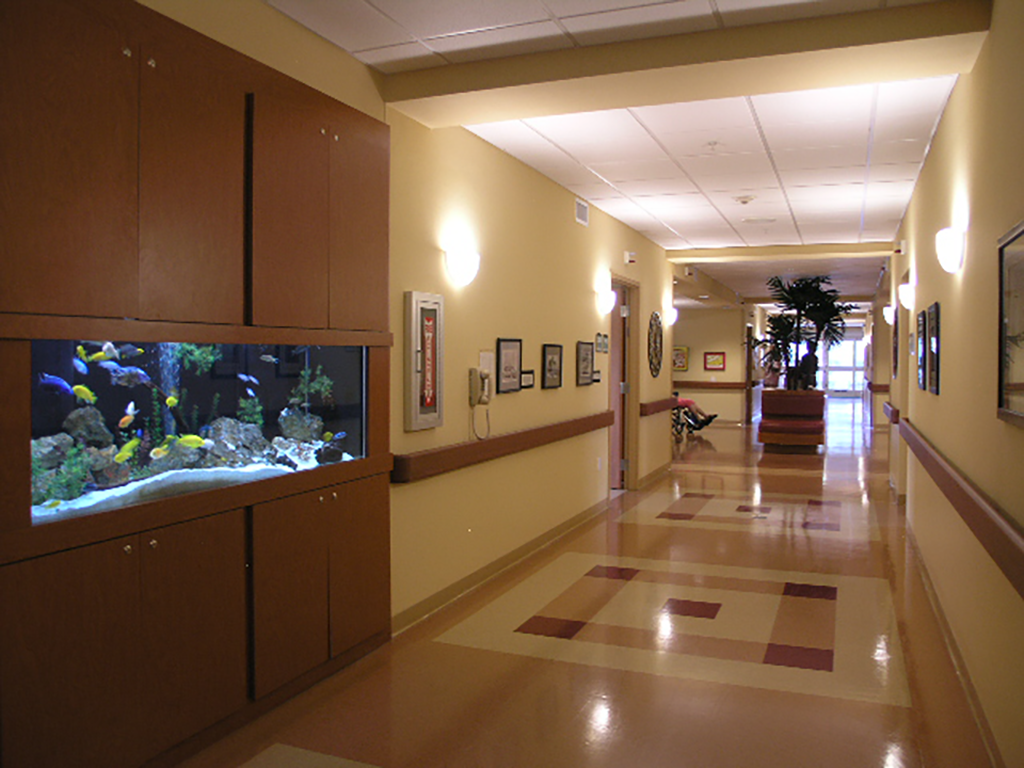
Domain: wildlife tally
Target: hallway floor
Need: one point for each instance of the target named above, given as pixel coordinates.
(748, 610)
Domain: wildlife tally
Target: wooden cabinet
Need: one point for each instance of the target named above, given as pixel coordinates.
(191, 177)
(321, 577)
(68, 161)
(291, 228)
(110, 653)
(359, 531)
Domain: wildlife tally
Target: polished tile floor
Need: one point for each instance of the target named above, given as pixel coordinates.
(749, 610)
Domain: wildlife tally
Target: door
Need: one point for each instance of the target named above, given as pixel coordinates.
(618, 386)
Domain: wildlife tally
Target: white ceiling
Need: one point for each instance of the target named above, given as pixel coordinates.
(834, 165)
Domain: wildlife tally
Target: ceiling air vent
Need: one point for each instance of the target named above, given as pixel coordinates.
(583, 213)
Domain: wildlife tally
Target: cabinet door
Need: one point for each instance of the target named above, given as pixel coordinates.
(289, 573)
(360, 536)
(192, 178)
(360, 163)
(68, 161)
(194, 626)
(290, 206)
(69, 658)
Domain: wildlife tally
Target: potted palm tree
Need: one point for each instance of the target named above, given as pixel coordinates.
(818, 319)
(774, 350)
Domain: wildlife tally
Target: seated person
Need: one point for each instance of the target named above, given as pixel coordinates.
(701, 419)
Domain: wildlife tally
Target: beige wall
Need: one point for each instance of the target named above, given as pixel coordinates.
(713, 330)
(973, 175)
(537, 282)
(537, 279)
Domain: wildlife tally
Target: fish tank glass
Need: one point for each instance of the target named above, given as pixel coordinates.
(117, 423)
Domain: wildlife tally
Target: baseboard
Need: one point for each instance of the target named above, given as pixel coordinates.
(650, 477)
(421, 610)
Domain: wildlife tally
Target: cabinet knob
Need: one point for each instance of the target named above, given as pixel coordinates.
(127, 549)
(336, 137)
(323, 131)
(334, 495)
(152, 543)
(152, 63)
(127, 52)
(321, 499)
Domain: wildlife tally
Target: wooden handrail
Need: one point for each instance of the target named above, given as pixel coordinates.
(737, 385)
(411, 467)
(1000, 537)
(658, 406)
(891, 412)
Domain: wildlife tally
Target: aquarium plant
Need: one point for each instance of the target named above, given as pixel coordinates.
(312, 384)
(250, 410)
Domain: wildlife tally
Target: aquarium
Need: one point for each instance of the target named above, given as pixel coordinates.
(116, 422)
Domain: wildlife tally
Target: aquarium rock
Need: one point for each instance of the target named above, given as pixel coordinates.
(105, 472)
(41, 484)
(303, 455)
(49, 452)
(333, 451)
(235, 444)
(298, 425)
(178, 456)
(86, 426)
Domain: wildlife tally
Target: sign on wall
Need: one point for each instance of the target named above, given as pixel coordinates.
(424, 360)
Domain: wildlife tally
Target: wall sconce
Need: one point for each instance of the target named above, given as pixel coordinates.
(462, 264)
(907, 293)
(606, 301)
(889, 313)
(671, 315)
(950, 245)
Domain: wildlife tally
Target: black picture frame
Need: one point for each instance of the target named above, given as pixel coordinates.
(933, 348)
(551, 366)
(896, 342)
(922, 350)
(1010, 406)
(584, 363)
(510, 365)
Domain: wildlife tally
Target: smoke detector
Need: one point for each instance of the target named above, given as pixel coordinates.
(745, 199)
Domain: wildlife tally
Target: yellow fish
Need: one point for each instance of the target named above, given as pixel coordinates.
(51, 504)
(171, 401)
(83, 393)
(327, 436)
(127, 450)
(158, 453)
(97, 357)
(192, 441)
(80, 351)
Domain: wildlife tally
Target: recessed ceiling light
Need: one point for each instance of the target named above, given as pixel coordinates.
(759, 220)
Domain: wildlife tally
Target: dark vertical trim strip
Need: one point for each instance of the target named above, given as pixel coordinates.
(250, 112)
(994, 529)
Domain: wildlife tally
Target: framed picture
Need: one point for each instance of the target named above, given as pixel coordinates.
(424, 360)
(584, 363)
(922, 350)
(510, 365)
(526, 380)
(933, 348)
(896, 342)
(714, 361)
(680, 358)
(551, 372)
(1011, 326)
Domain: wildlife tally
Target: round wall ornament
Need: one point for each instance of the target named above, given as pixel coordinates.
(654, 344)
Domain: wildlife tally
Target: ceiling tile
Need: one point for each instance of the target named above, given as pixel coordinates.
(706, 166)
(400, 58)
(763, 199)
(610, 136)
(711, 142)
(823, 105)
(447, 17)
(905, 125)
(696, 115)
(739, 12)
(504, 41)
(782, 136)
(738, 182)
(928, 95)
(594, 191)
(520, 141)
(350, 24)
(893, 172)
(645, 188)
(884, 190)
(673, 18)
(578, 7)
(811, 177)
(842, 156)
(682, 207)
(902, 151)
(647, 170)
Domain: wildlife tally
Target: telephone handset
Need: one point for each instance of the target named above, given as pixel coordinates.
(479, 386)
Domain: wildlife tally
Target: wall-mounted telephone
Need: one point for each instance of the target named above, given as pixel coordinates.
(479, 386)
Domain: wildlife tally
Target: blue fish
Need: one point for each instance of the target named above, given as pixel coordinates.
(80, 366)
(251, 379)
(249, 392)
(55, 382)
(109, 365)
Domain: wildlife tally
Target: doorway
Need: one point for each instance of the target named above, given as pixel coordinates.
(620, 385)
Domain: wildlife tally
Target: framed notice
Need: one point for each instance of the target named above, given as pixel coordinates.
(1011, 326)
(922, 350)
(510, 365)
(714, 361)
(933, 348)
(584, 363)
(551, 375)
(424, 360)
(680, 358)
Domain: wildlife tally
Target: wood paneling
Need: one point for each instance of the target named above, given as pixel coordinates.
(411, 467)
(378, 407)
(360, 557)
(16, 427)
(658, 406)
(290, 587)
(69, 191)
(69, 656)
(192, 173)
(290, 206)
(195, 626)
(360, 161)
(1000, 537)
